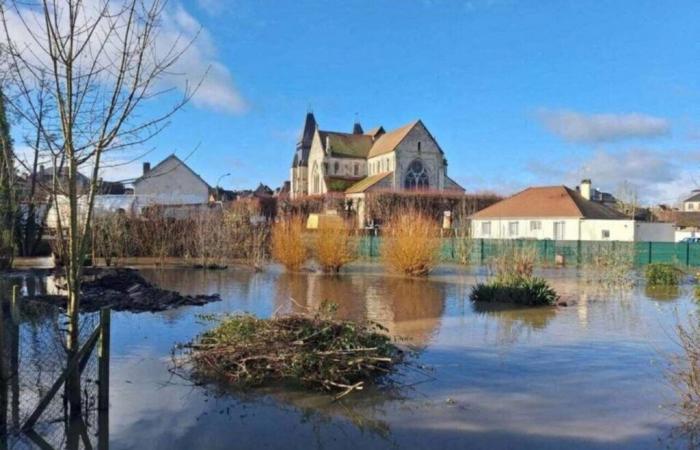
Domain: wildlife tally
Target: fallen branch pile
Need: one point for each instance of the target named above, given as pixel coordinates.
(330, 355)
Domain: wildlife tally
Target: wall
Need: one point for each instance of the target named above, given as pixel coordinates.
(691, 206)
(316, 169)
(499, 228)
(429, 154)
(299, 180)
(617, 230)
(171, 183)
(654, 232)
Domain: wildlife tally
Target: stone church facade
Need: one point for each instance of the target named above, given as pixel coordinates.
(406, 158)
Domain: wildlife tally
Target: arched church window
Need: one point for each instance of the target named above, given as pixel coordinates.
(316, 179)
(336, 167)
(356, 169)
(416, 176)
(418, 147)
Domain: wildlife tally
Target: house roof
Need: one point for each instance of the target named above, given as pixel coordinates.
(548, 201)
(363, 185)
(693, 198)
(179, 161)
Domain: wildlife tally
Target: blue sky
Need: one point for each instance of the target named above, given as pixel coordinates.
(517, 92)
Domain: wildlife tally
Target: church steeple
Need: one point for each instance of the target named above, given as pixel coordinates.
(357, 128)
(301, 156)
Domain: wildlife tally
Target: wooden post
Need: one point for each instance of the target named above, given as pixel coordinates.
(103, 354)
(103, 386)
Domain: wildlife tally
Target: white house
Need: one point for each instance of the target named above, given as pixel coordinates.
(170, 182)
(692, 203)
(560, 213)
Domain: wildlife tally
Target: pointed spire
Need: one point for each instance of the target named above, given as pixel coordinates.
(357, 128)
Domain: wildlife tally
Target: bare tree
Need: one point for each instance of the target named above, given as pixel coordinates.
(103, 63)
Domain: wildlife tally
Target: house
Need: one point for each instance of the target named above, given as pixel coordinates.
(354, 163)
(692, 203)
(170, 182)
(561, 213)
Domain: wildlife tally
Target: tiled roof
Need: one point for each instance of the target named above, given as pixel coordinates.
(364, 145)
(363, 185)
(548, 201)
(346, 144)
(693, 198)
(387, 142)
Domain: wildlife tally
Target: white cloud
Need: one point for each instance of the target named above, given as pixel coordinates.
(578, 127)
(200, 61)
(657, 176)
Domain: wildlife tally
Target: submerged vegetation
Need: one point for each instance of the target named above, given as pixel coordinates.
(411, 245)
(685, 377)
(610, 265)
(288, 246)
(662, 274)
(527, 291)
(318, 353)
(334, 246)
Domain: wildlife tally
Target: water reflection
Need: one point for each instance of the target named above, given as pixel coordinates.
(34, 372)
(663, 293)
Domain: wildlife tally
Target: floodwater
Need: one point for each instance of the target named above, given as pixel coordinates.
(587, 376)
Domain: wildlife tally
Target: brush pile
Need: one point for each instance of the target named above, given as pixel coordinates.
(323, 354)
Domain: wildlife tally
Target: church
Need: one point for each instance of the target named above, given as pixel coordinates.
(406, 158)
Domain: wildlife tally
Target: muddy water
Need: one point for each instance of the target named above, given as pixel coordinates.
(589, 375)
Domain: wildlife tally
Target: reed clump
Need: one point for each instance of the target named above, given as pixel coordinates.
(318, 353)
(610, 265)
(288, 245)
(411, 245)
(334, 246)
(662, 274)
(684, 375)
(514, 259)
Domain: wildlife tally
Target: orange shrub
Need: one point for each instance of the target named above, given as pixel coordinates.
(288, 247)
(411, 244)
(334, 246)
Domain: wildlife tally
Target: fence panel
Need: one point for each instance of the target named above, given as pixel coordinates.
(481, 251)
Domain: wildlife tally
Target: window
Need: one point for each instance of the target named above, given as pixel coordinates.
(325, 167)
(691, 206)
(388, 165)
(559, 231)
(535, 225)
(416, 176)
(356, 169)
(605, 234)
(485, 228)
(336, 167)
(419, 147)
(513, 229)
(316, 179)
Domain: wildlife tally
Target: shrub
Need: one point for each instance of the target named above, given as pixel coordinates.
(662, 274)
(520, 290)
(514, 260)
(411, 245)
(610, 265)
(325, 354)
(288, 246)
(334, 246)
(684, 375)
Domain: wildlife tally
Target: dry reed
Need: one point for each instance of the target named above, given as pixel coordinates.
(514, 260)
(288, 246)
(334, 246)
(411, 244)
(685, 378)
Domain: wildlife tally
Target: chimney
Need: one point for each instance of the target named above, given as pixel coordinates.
(146, 167)
(585, 189)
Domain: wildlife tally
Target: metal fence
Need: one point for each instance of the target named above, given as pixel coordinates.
(480, 251)
(33, 358)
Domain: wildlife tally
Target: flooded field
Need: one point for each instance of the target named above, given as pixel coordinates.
(588, 376)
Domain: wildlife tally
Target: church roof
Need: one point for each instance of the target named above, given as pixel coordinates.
(387, 142)
(363, 185)
(548, 201)
(345, 144)
(364, 145)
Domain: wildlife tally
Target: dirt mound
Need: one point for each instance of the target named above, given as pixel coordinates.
(127, 290)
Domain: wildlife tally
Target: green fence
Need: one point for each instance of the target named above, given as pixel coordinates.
(571, 252)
